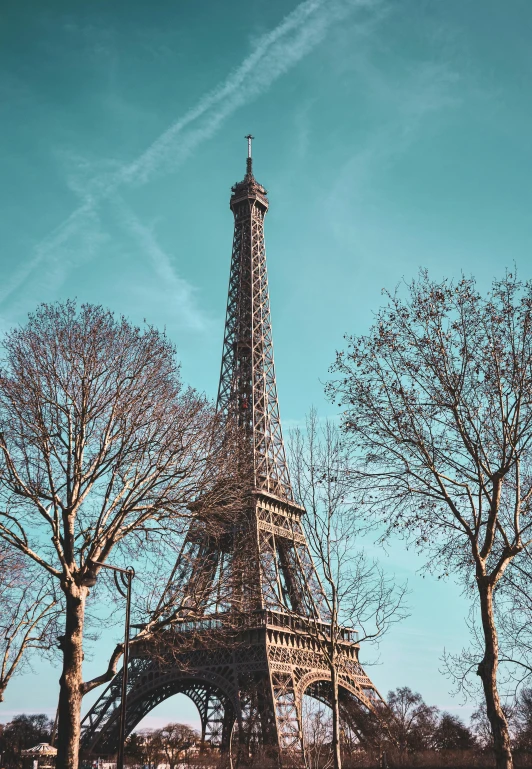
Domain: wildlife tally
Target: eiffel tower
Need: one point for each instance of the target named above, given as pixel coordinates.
(248, 690)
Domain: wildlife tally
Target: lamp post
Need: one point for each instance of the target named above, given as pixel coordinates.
(126, 577)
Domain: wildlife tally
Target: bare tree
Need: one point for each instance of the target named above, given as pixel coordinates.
(22, 732)
(413, 723)
(144, 747)
(353, 595)
(512, 604)
(513, 611)
(436, 400)
(184, 580)
(522, 721)
(452, 734)
(102, 450)
(175, 740)
(170, 744)
(29, 614)
(317, 734)
(481, 726)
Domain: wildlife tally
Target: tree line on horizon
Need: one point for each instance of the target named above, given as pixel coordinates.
(103, 449)
(421, 735)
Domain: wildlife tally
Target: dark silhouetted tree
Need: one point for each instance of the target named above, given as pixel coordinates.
(20, 733)
(523, 721)
(452, 734)
(414, 722)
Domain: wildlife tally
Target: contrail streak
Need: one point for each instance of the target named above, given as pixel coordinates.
(273, 55)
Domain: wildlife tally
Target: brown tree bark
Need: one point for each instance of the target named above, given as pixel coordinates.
(487, 670)
(71, 680)
(336, 751)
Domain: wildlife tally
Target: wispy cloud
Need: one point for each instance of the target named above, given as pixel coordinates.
(183, 297)
(302, 128)
(408, 102)
(273, 54)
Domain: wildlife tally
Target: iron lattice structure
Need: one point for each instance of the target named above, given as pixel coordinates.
(242, 651)
(248, 391)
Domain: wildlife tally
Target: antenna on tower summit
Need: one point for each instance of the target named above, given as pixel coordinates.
(249, 160)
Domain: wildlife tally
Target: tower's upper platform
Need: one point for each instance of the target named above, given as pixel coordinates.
(248, 189)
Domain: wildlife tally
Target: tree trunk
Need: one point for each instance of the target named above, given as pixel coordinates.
(70, 696)
(337, 756)
(487, 670)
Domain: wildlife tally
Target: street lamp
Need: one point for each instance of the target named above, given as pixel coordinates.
(126, 577)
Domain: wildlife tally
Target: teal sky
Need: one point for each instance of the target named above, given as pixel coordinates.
(390, 135)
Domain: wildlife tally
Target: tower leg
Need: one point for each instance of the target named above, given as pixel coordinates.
(257, 739)
(288, 718)
(214, 727)
(201, 700)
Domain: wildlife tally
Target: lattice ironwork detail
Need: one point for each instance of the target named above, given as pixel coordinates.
(248, 390)
(248, 687)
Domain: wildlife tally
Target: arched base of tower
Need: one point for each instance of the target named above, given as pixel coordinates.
(248, 691)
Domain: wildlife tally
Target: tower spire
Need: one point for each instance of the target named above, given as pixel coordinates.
(249, 161)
